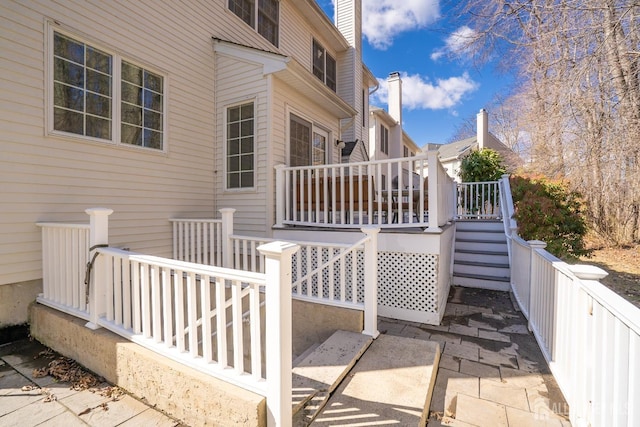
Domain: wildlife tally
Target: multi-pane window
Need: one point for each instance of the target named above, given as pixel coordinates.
(82, 88)
(405, 151)
(384, 139)
(141, 107)
(240, 146)
(299, 141)
(319, 149)
(265, 18)
(85, 93)
(324, 65)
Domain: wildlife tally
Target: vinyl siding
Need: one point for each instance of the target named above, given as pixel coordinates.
(241, 82)
(55, 178)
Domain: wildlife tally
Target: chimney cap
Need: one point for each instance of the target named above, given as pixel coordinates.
(394, 74)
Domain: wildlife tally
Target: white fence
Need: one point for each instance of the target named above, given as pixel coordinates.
(392, 193)
(589, 335)
(63, 282)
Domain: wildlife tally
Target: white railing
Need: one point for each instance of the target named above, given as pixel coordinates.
(209, 318)
(65, 254)
(390, 193)
(589, 335)
(341, 275)
(479, 200)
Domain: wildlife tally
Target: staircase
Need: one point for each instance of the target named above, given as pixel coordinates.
(481, 259)
(353, 379)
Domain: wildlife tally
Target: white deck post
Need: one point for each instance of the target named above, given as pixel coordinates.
(434, 195)
(227, 231)
(280, 195)
(533, 279)
(278, 326)
(371, 282)
(98, 235)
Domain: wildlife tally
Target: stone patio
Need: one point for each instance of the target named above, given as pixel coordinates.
(491, 371)
(29, 401)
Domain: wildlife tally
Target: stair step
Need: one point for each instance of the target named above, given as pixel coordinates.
(481, 282)
(481, 245)
(391, 384)
(480, 236)
(478, 240)
(483, 264)
(474, 251)
(482, 277)
(320, 372)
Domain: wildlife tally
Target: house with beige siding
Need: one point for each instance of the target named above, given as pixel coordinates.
(158, 110)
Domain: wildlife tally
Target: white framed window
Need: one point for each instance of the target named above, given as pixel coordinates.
(308, 143)
(97, 94)
(240, 146)
(384, 139)
(324, 65)
(265, 18)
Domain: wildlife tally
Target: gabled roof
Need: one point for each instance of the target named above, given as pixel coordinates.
(457, 149)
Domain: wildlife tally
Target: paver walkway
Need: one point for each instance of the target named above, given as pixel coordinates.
(29, 401)
(491, 370)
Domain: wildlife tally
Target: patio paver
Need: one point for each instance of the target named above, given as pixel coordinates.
(25, 400)
(491, 371)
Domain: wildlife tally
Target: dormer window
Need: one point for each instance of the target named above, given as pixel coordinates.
(266, 20)
(324, 65)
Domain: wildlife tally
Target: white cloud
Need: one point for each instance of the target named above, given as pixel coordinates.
(418, 93)
(457, 44)
(382, 20)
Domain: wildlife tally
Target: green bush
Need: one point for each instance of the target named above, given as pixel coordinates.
(547, 210)
(482, 165)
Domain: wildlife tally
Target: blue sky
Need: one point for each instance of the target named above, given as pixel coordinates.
(418, 39)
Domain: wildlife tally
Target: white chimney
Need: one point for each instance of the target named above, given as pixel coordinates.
(395, 96)
(483, 128)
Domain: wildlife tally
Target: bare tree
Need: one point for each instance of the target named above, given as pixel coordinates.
(579, 101)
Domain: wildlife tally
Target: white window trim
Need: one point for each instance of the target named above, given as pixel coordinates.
(117, 58)
(225, 109)
(329, 152)
(254, 26)
(324, 65)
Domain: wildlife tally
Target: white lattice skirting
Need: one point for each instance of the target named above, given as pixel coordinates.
(408, 286)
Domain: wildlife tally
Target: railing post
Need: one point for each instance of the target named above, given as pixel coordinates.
(278, 326)
(227, 232)
(434, 196)
(371, 282)
(98, 235)
(533, 278)
(280, 195)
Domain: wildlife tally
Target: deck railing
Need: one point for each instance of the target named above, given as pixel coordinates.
(341, 275)
(209, 318)
(65, 254)
(589, 335)
(478, 200)
(391, 193)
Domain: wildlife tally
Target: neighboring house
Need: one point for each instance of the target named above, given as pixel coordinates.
(157, 109)
(452, 154)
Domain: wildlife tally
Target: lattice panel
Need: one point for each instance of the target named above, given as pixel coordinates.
(408, 281)
(309, 261)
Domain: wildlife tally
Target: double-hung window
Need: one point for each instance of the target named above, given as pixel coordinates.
(86, 92)
(240, 146)
(264, 18)
(384, 139)
(324, 65)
